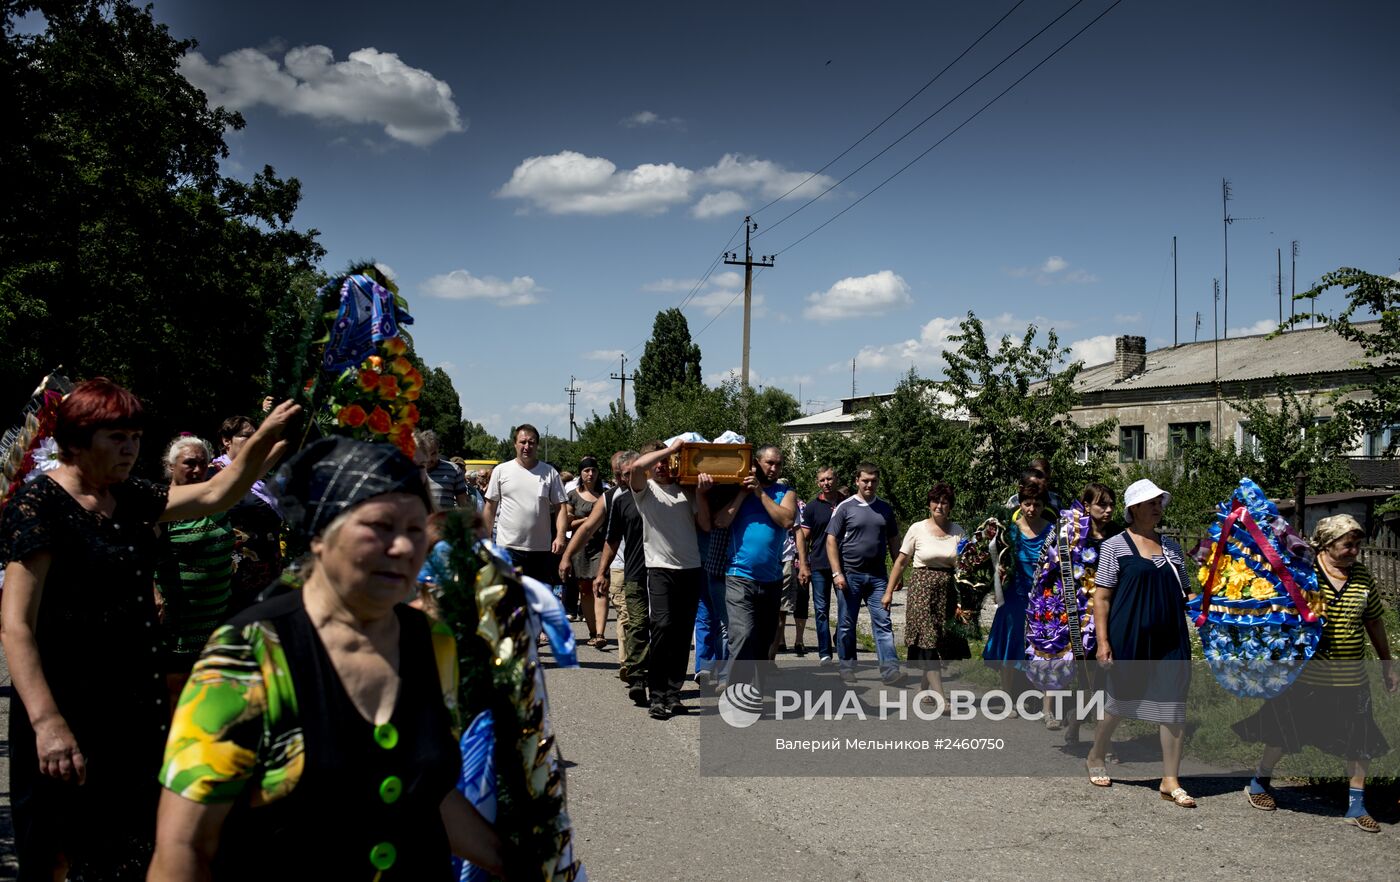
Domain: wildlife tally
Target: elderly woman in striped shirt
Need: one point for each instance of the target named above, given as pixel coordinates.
(1330, 705)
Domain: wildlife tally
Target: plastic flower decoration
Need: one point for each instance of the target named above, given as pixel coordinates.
(1257, 582)
(370, 383)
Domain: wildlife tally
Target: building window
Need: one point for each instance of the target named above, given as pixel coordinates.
(1179, 434)
(1132, 443)
(1245, 440)
(1378, 442)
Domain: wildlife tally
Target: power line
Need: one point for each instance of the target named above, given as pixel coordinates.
(930, 149)
(926, 119)
(894, 112)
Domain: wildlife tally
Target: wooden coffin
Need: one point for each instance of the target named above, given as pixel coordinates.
(726, 463)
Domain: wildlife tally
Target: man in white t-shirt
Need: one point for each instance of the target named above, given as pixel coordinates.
(670, 513)
(521, 500)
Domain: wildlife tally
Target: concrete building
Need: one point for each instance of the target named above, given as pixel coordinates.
(1174, 394)
(1168, 396)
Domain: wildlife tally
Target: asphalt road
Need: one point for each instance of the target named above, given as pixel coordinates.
(642, 812)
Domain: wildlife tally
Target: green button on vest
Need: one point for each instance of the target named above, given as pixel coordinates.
(382, 856)
(390, 789)
(386, 736)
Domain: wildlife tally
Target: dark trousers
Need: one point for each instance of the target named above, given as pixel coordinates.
(674, 596)
(636, 637)
(753, 622)
(540, 565)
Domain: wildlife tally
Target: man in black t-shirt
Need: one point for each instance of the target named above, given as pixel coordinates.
(813, 568)
(627, 585)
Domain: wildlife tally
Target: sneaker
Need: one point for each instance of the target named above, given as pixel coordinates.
(659, 712)
(826, 661)
(702, 678)
(638, 693)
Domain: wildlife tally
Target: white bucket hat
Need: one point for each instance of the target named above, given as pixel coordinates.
(1142, 491)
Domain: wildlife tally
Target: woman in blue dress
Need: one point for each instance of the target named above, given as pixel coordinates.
(1006, 642)
(1140, 616)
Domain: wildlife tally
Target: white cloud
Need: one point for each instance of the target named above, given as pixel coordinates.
(727, 279)
(670, 286)
(715, 301)
(462, 285)
(1263, 326)
(861, 296)
(1052, 272)
(771, 180)
(370, 86)
(1093, 350)
(647, 119)
(719, 204)
(569, 182)
(925, 352)
(387, 270)
(603, 355)
(448, 366)
(544, 409)
(1394, 276)
(1127, 318)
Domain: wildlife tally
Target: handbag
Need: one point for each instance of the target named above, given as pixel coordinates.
(1259, 610)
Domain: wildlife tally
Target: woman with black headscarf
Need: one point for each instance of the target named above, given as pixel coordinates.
(315, 736)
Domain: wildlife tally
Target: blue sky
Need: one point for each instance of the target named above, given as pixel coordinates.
(542, 178)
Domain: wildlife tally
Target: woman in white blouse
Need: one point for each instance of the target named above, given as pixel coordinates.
(932, 547)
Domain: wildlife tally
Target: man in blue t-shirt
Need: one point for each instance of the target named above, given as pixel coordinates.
(758, 520)
(861, 529)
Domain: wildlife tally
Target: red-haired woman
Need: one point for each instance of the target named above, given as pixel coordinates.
(78, 624)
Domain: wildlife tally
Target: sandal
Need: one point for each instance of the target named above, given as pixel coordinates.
(1365, 822)
(1180, 797)
(1262, 801)
(1052, 724)
(1098, 775)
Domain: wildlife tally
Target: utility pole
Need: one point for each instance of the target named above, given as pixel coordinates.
(573, 394)
(1196, 335)
(853, 378)
(1280, 285)
(622, 393)
(1293, 286)
(1226, 194)
(1225, 208)
(748, 263)
(1175, 342)
(1216, 311)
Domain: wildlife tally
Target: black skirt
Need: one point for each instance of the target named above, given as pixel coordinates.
(1334, 719)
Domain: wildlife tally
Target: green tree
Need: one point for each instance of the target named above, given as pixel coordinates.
(123, 250)
(1369, 297)
(478, 443)
(1293, 440)
(819, 450)
(670, 361)
(1017, 400)
(440, 409)
(602, 435)
(915, 440)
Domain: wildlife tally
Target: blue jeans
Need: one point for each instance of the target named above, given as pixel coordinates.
(868, 589)
(711, 627)
(821, 609)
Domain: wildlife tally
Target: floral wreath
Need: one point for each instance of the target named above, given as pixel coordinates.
(1259, 612)
(1048, 646)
